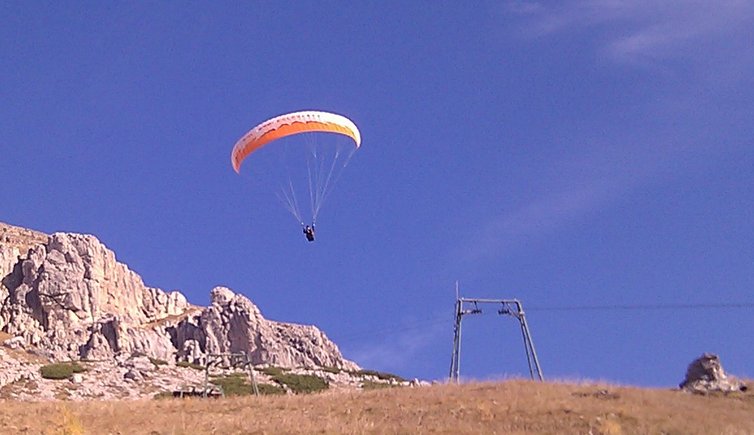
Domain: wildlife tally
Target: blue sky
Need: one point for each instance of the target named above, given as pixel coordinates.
(576, 153)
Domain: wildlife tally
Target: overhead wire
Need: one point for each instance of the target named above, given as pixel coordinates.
(670, 306)
(420, 324)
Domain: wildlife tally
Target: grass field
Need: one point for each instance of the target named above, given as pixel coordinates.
(507, 407)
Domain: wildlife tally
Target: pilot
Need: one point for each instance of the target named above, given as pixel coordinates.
(309, 233)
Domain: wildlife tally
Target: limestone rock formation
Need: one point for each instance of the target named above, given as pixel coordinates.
(65, 296)
(232, 323)
(15, 241)
(705, 374)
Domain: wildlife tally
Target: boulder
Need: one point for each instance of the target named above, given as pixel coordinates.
(705, 374)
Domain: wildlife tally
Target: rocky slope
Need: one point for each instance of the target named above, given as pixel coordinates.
(66, 297)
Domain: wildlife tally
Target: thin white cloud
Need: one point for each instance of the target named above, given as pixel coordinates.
(401, 346)
(547, 19)
(510, 231)
(715, 37)
(643, 30)
(581, 187)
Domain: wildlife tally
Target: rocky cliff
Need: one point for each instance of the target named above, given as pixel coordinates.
(66, 297)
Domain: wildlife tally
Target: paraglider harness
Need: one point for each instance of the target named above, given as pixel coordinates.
(309, 232)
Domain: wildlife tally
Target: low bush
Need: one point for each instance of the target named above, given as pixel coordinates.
(273, 371)
(333, 370)
(371, 385)
(237, 384)
(233, 385)
(60, 370)
(302, 383)
(163, 395)
(270, 390)
(158, 362)
(189, 365)
(380, 375)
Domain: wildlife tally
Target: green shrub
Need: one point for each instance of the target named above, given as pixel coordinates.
(61, 370)
(237, 384)
(302, 383)
(158, 362)
(233, 385)
(333, 370)
(163, 395)
(273, 371)
(270, 390)
(189, 365)
(379, 375)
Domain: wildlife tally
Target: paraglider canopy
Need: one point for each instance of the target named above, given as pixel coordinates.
(290, 124)
(312, 146)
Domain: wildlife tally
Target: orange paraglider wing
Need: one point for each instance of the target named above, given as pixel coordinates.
(290, 124)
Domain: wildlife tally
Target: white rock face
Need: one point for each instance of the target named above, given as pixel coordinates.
(232, 323)
(67, 297)
(14, 242)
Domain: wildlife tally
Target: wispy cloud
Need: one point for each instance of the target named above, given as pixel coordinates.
(510, 231)
(639, 31)
(714, 39)
(583, 186)
(401, 345)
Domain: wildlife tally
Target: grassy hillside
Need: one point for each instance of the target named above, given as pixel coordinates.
(502, 407)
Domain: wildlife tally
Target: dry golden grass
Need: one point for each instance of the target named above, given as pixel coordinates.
(510, 407)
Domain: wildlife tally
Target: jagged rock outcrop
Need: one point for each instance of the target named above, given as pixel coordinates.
(232, 323)
(705, 374)
(15, 242)
(67, 297)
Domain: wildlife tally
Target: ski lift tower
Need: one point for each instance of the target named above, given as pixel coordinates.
(506, 307)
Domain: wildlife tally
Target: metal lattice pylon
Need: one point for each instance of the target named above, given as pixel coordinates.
(508, 307)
